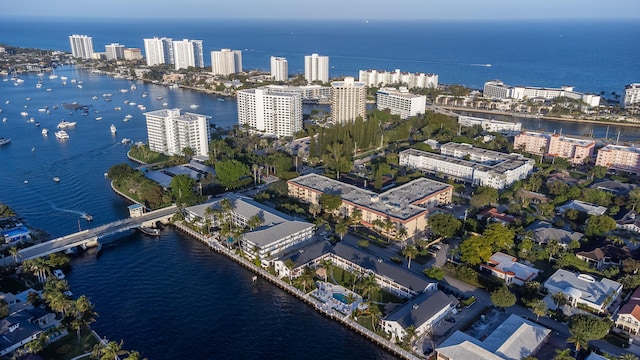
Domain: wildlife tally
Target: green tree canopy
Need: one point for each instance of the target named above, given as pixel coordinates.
(499, 236)
(434, 273)
(584, 328)
(475, 250)
(484, 196)
(444, 224)
(599, 225)
(503, 297)
(182, 189)
(330, 202)
(229, 173)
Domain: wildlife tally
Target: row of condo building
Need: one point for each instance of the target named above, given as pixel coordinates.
(579, 151)
(496, 89)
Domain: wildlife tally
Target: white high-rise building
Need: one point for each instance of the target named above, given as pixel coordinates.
(316, 68)
(270, 112)
(631, 95)
(187, 53)
(158, 51)
(170, 132)
(348, 100)
(226, 61)
(380, 78)
(81, 46)
(279, 68)
(401, 102)
(114, 51)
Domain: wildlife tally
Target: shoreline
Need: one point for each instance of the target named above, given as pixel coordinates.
(307, 299)
(512, 115)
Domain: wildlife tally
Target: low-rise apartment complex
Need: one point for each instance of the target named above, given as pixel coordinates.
(496, 89)
(378, 78)
(489, 125)
(406, 205)
(400, 102)
(577, 151)
(469, 164)
(616, 157)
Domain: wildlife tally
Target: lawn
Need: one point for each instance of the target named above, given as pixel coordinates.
(67, 348)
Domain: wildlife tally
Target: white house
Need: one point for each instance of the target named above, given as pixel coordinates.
(507, 268)
(584, 289)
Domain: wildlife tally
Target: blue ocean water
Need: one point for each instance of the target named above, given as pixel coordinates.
(593, 56)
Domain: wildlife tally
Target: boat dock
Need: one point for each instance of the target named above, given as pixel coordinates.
(345, 320)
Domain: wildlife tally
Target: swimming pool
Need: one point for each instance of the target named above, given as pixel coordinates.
(341, 297)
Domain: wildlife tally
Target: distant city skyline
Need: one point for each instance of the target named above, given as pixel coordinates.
(333, 9)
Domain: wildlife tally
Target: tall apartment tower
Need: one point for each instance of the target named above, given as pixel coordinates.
(279, 68)
(348, 100)
(226, 61)
(631, 95)
(114, 51)
(171, 131)
(316, 68)
(187, 53)
(81, 46)
(158, 51)
(268, 111)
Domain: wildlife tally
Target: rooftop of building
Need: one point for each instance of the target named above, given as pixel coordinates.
(586, 287)
(269, 91)
(544, 231)
(591, 209)
(612, 147)
(421, 308)
(404, 93)
(401, 202)
(175, 113)
(515, 338)
(613, 186)
(508, 264)
(397, 71)
(579, 142)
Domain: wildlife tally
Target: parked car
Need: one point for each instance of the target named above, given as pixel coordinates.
(451, 320)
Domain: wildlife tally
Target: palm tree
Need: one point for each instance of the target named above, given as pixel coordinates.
(628, 356)
(369, 285)
(15, 253)
(84, 314)
(410, 333)
(38, 344)
(306, 278)
(388, 225)
(356, 217)
(57, 260)
(538, 307)
(559, 299)
(579, 340)
(410, 252)
(112, 351)
(401, 233)
(134, 355)
(375, 312)
(342, 228)
(564, 354)
(290, 265)
(254, 221)
(327, 264)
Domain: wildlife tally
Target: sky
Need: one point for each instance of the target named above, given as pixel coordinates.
(328, 9)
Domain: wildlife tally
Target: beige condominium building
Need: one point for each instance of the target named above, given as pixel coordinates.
(348, 100)
(577, 151)
(407, 205)
(616, 157)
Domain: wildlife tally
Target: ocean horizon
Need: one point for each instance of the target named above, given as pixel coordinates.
(547, 53)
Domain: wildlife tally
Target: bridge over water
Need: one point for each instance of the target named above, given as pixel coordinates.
(92, 235)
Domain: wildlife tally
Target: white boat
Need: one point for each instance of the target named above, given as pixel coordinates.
(53, 76)
(64, 78)
(159, 98)
(24, 113)
(133, 87)
(58, 273)
(113, 129)
(129, 116)
(144, 95)
(42, 110)
(65, 124)
(56, 179)
(107, 94)
(125, 141)
(62, 135)
(80, 86)
(123, 90)
(165, 104)
(99, 118)
(117, 108)
(4, 141)
(194, 106)
(48, 89)
(27, 99)
(132, 103)
(45, 131)
(4, 119)
(142, 107)
(94, 97)
(38, 85)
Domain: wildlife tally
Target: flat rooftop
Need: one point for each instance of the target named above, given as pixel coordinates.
(590, 289)
(401, 202)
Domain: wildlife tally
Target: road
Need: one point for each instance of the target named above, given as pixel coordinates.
(81, 237)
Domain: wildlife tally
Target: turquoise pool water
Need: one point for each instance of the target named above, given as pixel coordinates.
(340, 297)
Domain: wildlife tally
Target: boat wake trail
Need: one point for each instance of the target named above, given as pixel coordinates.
(80, 213)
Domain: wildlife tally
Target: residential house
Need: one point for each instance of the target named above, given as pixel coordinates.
(423, 312)
(591, 209)
(628, 220)
(584, 289)
(628, 318)
(614, 187)
(507, 268)
(543, 231)
(604, 256)
(515, 339)
(16, 330)
(492, 214)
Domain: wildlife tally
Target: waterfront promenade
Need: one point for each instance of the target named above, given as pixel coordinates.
(345, 320)
(91, 236)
